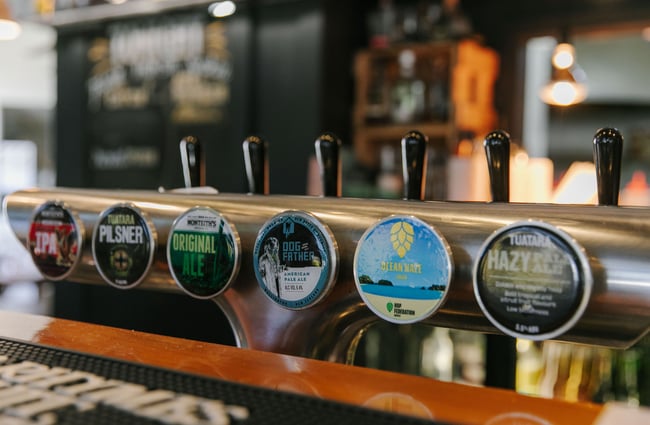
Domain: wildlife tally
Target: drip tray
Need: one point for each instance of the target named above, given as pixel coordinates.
(47, 386)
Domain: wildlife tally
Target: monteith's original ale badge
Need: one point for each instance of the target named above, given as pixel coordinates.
(295, 259)
(203, 252)
(55, 240)
(402, 269)
(123, 245)
(532, 280)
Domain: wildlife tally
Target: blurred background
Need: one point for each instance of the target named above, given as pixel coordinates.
(98, 93)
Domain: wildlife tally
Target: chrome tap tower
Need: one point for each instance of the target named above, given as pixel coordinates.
(608, 245)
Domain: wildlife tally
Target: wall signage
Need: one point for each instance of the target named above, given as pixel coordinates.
(151, 62)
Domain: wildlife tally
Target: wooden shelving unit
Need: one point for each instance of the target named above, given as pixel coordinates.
(469, 74)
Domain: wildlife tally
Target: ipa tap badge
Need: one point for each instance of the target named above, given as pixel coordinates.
(532, 280)
(402, 269)
(123, 245)
(55, 240)
(203, 252)
(295, 259)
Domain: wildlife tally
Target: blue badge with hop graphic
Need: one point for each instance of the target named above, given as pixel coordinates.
(402, 269)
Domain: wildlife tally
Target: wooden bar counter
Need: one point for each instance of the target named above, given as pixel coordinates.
(406, 395)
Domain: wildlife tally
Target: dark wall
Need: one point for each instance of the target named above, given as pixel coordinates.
(71, 155)
(287, 106)
(277, 58)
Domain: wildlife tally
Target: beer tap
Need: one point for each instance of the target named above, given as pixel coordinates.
(257, 166)
(608, 148)
(500, 349)
(497, 151)
(192, 162)
(328, 148)
(414, 153)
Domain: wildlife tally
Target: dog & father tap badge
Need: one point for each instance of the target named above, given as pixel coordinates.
(296, 259)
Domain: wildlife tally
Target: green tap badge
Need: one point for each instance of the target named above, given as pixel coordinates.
(203, 252)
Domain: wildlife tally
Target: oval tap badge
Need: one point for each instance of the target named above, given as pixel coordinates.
(123, 245)
(402, 269)
(295, 259)
(55, 240)
(532, 280)
(203, 252)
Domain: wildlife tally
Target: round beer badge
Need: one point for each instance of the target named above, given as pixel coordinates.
(123, 246)
(295, 259)
(532, 280)
(203, 252)
(402, 269)
(55, 240)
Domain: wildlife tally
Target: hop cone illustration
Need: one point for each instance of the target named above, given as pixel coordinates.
(401, 235)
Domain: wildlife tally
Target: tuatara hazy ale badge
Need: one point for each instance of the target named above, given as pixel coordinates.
(203, 252)
(55, 240)
(532, 280)
(295, 259)
(402, 269)
(123, 245)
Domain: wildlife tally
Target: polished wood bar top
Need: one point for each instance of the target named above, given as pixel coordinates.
(409, 395)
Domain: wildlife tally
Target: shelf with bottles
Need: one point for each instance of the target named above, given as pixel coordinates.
(437, 87)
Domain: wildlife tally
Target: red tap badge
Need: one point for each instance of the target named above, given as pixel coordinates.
(54, 240)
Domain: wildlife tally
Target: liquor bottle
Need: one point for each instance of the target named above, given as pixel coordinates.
(408, 93)
(389, 180)
(437, 180)
(438, 92)
(378, 104)
(453, 23)
(382, 23)
(438, 355)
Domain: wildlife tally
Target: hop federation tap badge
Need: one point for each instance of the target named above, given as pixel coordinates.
(55, 240)
(402, 269)
(295, 259)
(123, 246)
(203, 252)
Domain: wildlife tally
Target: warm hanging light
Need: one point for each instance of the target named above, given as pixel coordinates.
(221, 9)
(564, 56)
(9, 29)
(567, 79)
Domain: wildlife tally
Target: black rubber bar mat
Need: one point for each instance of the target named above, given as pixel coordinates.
(47, 386)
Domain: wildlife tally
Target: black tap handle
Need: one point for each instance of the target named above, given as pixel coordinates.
(257, 164)
(497, 151)
(414, 154)
(192, 162)
(328, 155)
(608, 149)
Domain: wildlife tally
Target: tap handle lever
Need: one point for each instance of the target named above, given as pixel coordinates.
(608, 150)
(192, 162)
(257, 165)
(497, 151)
(328, 155)
(414, 154)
